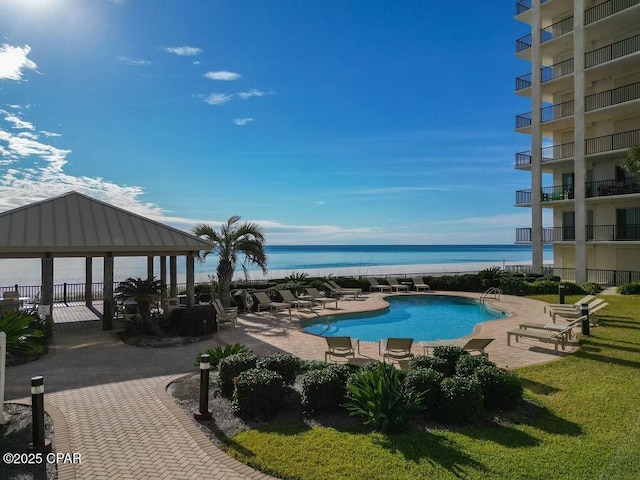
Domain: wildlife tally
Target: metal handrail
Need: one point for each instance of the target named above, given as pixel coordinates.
(605, 9)
(612, 51)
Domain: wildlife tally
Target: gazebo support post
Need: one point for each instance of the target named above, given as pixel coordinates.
(150, 267)
(173, 273)
(107, 312)
(163, 275)
(88, 281)
(191, 290)
(46, 297)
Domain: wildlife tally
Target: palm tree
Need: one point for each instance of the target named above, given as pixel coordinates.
(143, 291)
(632, 163)
(230, 241)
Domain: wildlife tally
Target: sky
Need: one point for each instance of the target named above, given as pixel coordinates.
(326, 122)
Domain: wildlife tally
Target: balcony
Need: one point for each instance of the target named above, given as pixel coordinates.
(595, 146)
(615, 96)
(547, 194)
(525, 5)
(608, 188)
(552, 112)
(605, 9)
(557, 29)
(523, 43)
(612, 51)
(594, 233)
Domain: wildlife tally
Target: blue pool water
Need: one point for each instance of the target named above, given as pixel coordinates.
(433, 317)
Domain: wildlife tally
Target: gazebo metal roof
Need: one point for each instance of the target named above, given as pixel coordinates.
(74, 224)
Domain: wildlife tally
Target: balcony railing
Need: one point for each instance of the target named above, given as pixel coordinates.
(547, 194)
(556, 29)
(594, 233)
(524, 158)
(524, 5)
(523, 120)
(558, 152)
(617, 141)
(523, 81)
(604, 9)
(622, 94)
(523, 197)
(556, 70)
(523, 43)
(612, 51)
(607, 188)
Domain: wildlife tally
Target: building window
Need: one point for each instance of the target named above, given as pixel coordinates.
(568, 226)
(628, 224)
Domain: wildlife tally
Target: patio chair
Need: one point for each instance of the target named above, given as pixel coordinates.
(343, 347)
(265, 303)
(573, 308)
(418, 284)
(317, 297)
(395, 349)
(225, 316)
(375, 285)
(289, 298)
(555, 327)
(338, 291)
(397, 286)
(568, 315)
(557, 338)
(585, 299)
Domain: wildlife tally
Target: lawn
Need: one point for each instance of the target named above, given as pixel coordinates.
(583, 422)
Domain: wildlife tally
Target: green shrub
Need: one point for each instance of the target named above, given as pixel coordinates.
(218, 353)
(25, 333)
(462, 400)
(468, 364)
(324, 390)
(258, 394)
(514, 285)
(378, 397)
(287, 366)
(232, 366)
(501, 388)
(451, 355)
(490, 277)
(425, 361)
(424, 383)
(591, 288)
(632, 288)
(309, 365)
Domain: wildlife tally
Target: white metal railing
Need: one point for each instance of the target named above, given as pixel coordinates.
(495, 291)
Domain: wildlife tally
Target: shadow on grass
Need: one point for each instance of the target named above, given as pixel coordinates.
(539, 388)
(436, 448)
(598, 345)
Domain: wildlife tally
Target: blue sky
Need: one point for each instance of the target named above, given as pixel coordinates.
(334, 121)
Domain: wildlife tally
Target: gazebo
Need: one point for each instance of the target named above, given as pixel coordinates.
(75, 225)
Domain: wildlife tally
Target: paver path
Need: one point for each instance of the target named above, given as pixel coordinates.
(108, 400)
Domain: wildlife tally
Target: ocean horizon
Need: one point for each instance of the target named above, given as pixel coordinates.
(316, 260)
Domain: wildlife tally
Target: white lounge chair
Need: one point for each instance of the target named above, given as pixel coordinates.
(338, 291)
(585, 299)
(343, 347)
(317, 297)
(555, 327)
(473, 345)
(289, 298)
(378, 286)
(568, 315)
(557, 338)
(225, 316)
(265, 303)
(395, 349)
(397, 286)
(418, 284)
(574, 308)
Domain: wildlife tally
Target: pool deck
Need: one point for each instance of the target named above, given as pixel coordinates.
(108, 400)
(265, 333)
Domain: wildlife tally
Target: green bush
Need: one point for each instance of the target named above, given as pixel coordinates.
(514, 285)
(324, 390)
(287, 366)
(591, 288)
(468, 364)
(218, 353)
(451, 355)
(309, 365)
(232, 366)
(258, 394)
(632, 288)
(425, 361)
(462, 400)
(501, 388)
(378, 397)
(424, 383)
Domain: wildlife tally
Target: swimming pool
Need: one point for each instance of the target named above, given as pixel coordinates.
(421, 317)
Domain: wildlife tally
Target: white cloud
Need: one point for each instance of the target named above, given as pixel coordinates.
(242, 121)
(17, 122)
(217, 98)
(13, 61)
(184, 51)
(50, 134)
(254, 93)
(134, 62)
(222, 75)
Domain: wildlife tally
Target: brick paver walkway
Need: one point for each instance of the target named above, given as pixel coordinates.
(108, 400)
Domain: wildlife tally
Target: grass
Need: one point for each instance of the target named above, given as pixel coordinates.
(584, 422)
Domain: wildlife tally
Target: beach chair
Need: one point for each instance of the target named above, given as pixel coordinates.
(225, 316)
(557, 338)
(265, 303)
(585, 299)
(289, 298)
(397, 286)
(317, 297)
(418, 284)
(395, 349)
(338, 291)
(473, 345)
(377, 286)
(569, 315)
(555, 327)
(343, 347)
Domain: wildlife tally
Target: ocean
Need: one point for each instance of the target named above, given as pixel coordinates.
(317, 260)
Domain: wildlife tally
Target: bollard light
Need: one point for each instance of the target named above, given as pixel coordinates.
(204, 413)
(561, 290)
(584, 311)
(39, 443)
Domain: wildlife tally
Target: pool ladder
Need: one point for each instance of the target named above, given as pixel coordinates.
(493, 292)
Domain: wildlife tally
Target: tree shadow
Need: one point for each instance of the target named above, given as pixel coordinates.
(539, 388)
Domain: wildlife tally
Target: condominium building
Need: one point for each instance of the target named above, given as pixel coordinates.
(584, 87)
